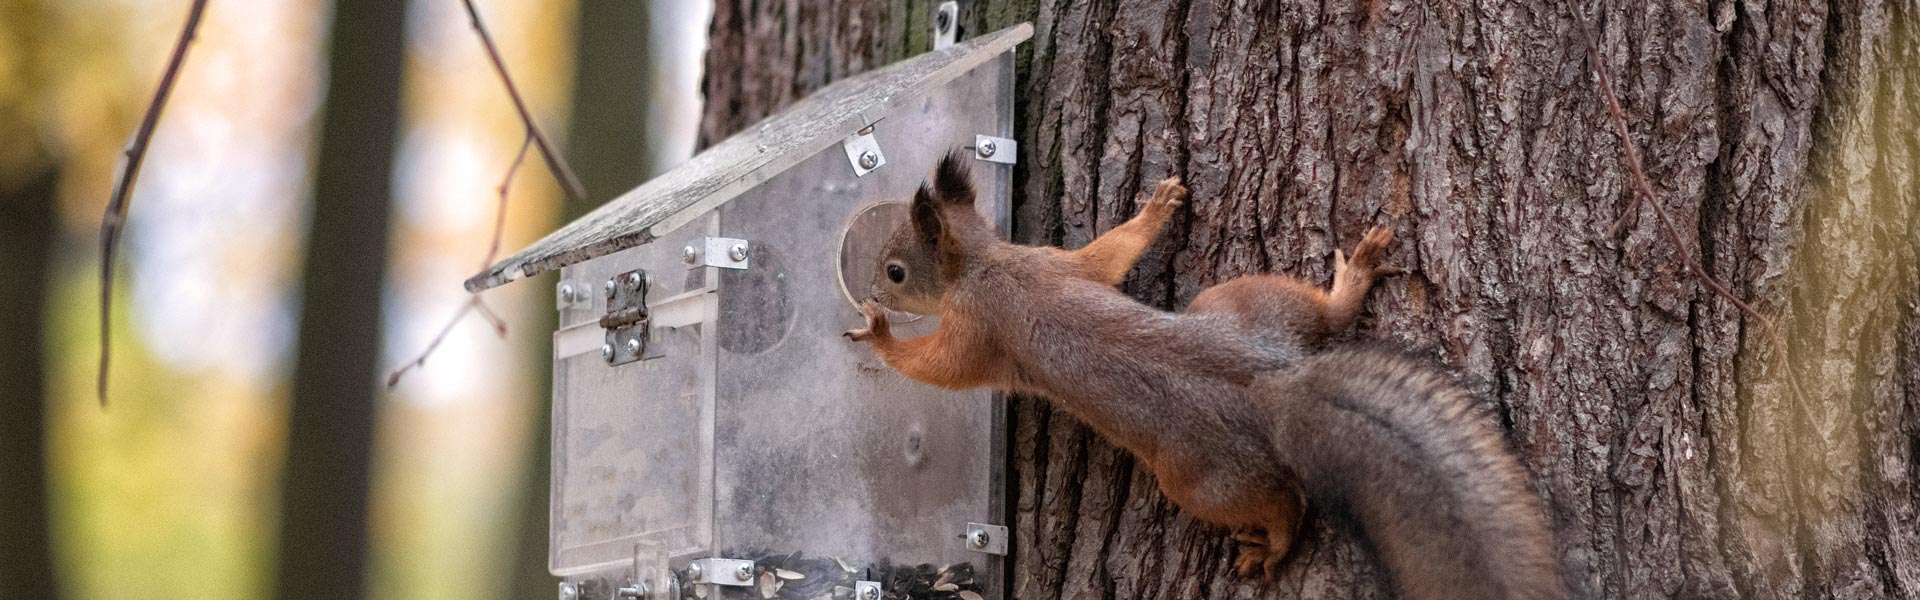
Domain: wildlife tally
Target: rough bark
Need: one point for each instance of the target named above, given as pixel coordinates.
(330, 428)
(1659, 420)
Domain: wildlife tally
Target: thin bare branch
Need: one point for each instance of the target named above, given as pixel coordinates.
(474, 302)
(555, 162)
(115, 219)
(1644, 192)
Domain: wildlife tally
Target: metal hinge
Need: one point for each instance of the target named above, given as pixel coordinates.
(984, 538)
(626, 320)
(995, 149)
(726, 253)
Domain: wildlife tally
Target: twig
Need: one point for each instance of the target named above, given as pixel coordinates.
(116, 217)
(555, 163)
(1644, 191)
(474, 303)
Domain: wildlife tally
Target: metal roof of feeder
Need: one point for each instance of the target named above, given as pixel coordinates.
(723, 172)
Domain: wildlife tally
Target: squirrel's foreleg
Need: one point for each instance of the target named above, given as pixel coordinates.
(1108, 258)
(952, 357)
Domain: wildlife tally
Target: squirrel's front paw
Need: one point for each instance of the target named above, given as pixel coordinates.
(876, 322)
(1366, 255)
(1168, 194)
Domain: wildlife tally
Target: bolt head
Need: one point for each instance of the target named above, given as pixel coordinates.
(689, 254)
(606, 351)
(633, 280)
(987, 148)
(610, 286)
(738, 252)
(569, 591)
(870, 593)
(696, 572)
(566, 292)
(943, 20)
(745, 572)
(869, 159)
(977, 538)
(633, 346)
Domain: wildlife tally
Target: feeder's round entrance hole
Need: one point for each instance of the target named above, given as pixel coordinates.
(860, 247)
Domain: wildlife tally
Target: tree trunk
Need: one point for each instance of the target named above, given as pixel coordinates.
(28, 182)
(1661, 421)
(324, 537)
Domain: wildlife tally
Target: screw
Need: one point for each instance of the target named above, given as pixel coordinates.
(869, 160)
(944, 20)
(606, 351)
(978, 538)
(566, 292)
(738, 252)
(610, 286)
(633, 346)
(695, 572)
(689, 255)
(569, 591)
(744, 573)
(986, 148)
(870, 593)
(633, 280)
(638, 589)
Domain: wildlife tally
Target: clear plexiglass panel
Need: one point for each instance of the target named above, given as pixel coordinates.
(632, 443)
(821, 448)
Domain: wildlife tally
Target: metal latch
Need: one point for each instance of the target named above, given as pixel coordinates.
(720, 571)
(863, 152)
(995, 149)
(626, 320)
(984, 538)
(726, 253)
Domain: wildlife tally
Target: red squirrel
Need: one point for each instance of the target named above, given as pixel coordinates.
(1233, 405)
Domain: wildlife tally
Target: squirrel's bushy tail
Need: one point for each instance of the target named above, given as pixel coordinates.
(1426, 475)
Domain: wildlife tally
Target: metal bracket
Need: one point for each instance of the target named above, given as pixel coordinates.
(946, 24)
(988, 539)
(863, 152)
(995, 149)
(626, 320)
(868, 590)
(726, 253)
(572, 294)
(721, 571)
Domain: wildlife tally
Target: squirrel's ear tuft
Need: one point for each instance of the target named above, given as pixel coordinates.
(925, 214)
(952, 181)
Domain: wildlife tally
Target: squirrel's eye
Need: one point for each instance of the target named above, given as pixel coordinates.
(896, 274)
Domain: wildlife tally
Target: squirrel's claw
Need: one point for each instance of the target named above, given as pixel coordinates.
(876, 322)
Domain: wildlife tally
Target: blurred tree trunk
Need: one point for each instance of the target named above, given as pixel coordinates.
(29, 180)
(29, 176)
(1659, 421)
(607, 146)
(324, 536)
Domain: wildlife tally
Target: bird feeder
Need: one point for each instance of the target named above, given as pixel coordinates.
(714, 436)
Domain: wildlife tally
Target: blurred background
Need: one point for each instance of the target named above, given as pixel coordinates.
(175, 489)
